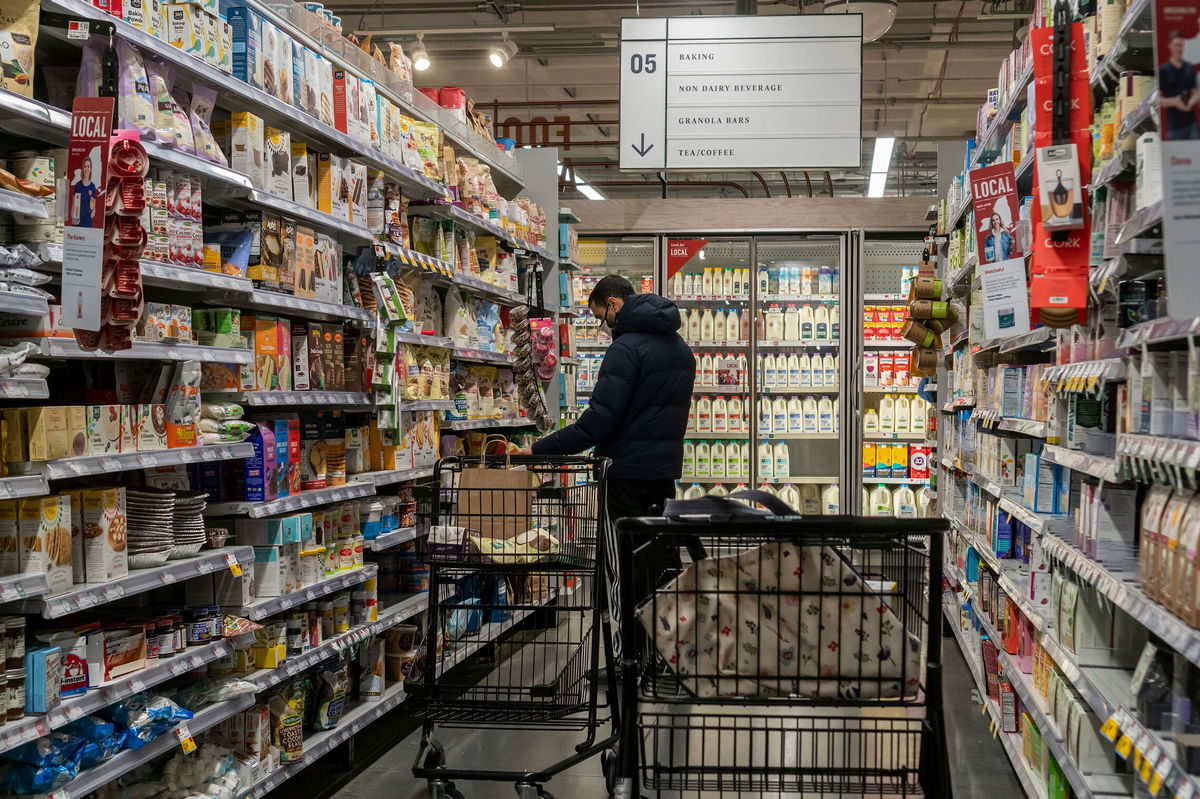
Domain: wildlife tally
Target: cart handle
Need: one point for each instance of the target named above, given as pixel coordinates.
(725, 508)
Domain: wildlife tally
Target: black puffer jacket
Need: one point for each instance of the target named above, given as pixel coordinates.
(638, 413)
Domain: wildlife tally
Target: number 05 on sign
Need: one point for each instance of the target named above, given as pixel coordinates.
(782, 92)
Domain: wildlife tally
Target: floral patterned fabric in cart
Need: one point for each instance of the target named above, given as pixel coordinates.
(782, 620)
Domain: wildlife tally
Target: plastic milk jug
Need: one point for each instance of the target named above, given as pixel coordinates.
(704, 415)
(774, 323)
(689, 458)
(733, 459)
(829, 367)
(693, 492)
(804, 376)
(881, 502)
(727, 284)
(703, 454)
(810, 415)
(825, 280)
(770, 372)
(716, 464)
(745, 459)
(720, 415)
(904, 503)
(733, 325)
(835, 323)
(871, 422)
(793, 369)
(743, 375)
(764, 415)
(766, 460)
(782, 466)
(924, 500)
(791, 497)
(692, 415)
(830, 501)
(795, 415)
(822, 323)
(810, 499)
(718, 491)
(791, 323)
(708, 374)
(779, 415)
(808, 279)
(902, 415)
(733, 412)
(917, 409)
(768, 488)
(719, 325)
(887, 415)
(825, 415)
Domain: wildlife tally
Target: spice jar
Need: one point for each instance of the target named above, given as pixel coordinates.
(14, 642)
(165, 633)
(15, 692)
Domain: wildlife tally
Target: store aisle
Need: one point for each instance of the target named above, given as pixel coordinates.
(979, 766)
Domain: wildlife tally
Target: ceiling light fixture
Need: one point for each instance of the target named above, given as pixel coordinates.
(881, 162)
(420, 56)
(877, 15)
(498, 56)
(591, 192)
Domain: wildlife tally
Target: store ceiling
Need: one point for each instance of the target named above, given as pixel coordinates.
(922, 82)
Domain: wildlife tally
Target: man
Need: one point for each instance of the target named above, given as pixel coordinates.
(1177, 91)
(639, 407)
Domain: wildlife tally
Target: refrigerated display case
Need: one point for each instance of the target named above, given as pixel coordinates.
(893, 421)
(763, 317)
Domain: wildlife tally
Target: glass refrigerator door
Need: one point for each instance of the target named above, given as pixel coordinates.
(798, 369)
(895, 453)
(710, 281)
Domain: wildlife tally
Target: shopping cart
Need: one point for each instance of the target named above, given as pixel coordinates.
(516, 549)
(798, 658)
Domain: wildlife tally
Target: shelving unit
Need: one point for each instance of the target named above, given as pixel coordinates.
(295, 502)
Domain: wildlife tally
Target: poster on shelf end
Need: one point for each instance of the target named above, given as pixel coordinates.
(83, 232)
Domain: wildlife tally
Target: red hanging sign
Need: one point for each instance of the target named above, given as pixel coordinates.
(680, 251)
(83, 232)
(994, 197)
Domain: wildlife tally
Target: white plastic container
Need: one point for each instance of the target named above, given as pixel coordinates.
(727, 282)
(835, 322)
(825, 415)
(824, 280)
(794, 369)
(830, 501)
(733, 325)
(766, 460)
(804, 377)
(917, 410)
(924, 502)
(744, 460)
(791, 323)
(795, 415)
(720, 415)
(718, 491)
(706, 282)
(719, 329)
(783, 466)
(810, 500)
(689, 458)
(810, 415)
(774, 323)
(871, 422)
(706, 325)
(733, 459)
(779, 415)
(703, 459)
(791, 497)
(770, 377)
(693, 325)
(708, 373)
(764, 281)
(735, 415)
(821, 328)
(887, 415)
(694, 492)
(764, 414)
(902, 414)
(807, 322)
(704, 415)
(829, 365)
(904, 503)
(716, 464)
(881, 501)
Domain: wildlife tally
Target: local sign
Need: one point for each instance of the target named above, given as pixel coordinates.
(782, 92)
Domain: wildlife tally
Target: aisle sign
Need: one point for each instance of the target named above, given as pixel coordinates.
(778, 92)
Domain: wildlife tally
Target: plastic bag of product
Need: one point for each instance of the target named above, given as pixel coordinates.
(287, 722)
(200, 116)
(21, 288)
(183, 127)
(143, 717)
(14, 356)
(50, 750)
(160, 92)
(22, 778)
(28, 370)
(135, 108)
(26, 277)
(100, 740)
(331, 696)
(371, 671)
(427, 137)
(221, 411)
(87, 83)
(202, 693)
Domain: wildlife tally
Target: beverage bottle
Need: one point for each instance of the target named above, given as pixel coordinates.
(689, 459)
(791, 497)
(825, 415)
(744, 326)
(791, 323)
(830, 501)
(679, 492)
(716, 465)
(793, 369)
(764, 282)
(733, 326)
(733, 457)
(703, 454)
(768, 488)
(807, 321)
(720, 415)
(782, 466)
(810, 500)
(704, 415)
(707, 371)
(699, 373)
(736, 421)
(692, 415)
(694, 325)
(837, 279)
(718, 331)
(741, 370)
(759, 362)
(871, 422)
(904, 503)
(718, 491)
(807, 280)
(835, 323)
(795, 415)
(764, 415)
(825, 280)
(766, 460)
(694, 492)
(793, 285)
(727, 282)
(779, 415)
(866, 502)
(821, 328)
(774, 323)
(881, 501)
(768, 371)
(902, 414)
(745, 459)
(706, 282)
(916, 414)
(810, 415)
(804, 375)
(924, 500)
(887, 415)
(745, 292)
(706, 325)
(829, 366)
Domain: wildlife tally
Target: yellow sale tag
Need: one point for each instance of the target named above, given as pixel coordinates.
(1146, 770)
(235, 568)
(1156, 784)
(186, 742)
(1124, 746)
(1110, 729)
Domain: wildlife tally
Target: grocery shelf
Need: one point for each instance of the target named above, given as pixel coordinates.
(139, 581)
(917, 436)
(1140, 223)
(390, 476)
(24, 304)
(482, 356)
(957, 214)
(22, 586)
(482, 287)
(269, 606)
(485, 424)
(893, 389)
(885, 298)
(800, 342)
(394, 538)
(991, 145)
(98, 777)
(423, 340)
(1038, 338)
(169, 276)
(1109, 66)
(427, 405)
(408, 257)
(792, 390)
(25, 485)
(146, 351)
(991, 421)
(1099, 466)
(709, 344)
(1007, 500)
(1004, 576)
(1118, 168)
(268, 399)
(960, 279)
(1023, 174)
(440, 209)
(278, 302)
(890, 343)
(793, 480)
(1144, 116)
(295, 502)
(1159, 451)
(959, 403)
(23, 388)
(14, 202)
(84, 465)
(102, 695)
(745, 436)
(1084, 373)
(1158, 331)
(896, 481)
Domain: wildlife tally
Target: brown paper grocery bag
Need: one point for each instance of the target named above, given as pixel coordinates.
(496, 502)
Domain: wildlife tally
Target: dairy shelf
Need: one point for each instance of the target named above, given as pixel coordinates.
(917, 436)
(269, 606)
(23, 388)
(295, 502)
(87, 595)
(85, 465)
(895, 481)
(890, 343)
(101, 696)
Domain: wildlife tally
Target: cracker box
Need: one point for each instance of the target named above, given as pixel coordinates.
(266, 353)
(105, 529)
(10, 538)
(278, 153)
(246, 30)
(45, 530)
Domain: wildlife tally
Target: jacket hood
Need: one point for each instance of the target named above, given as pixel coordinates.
(647, 313)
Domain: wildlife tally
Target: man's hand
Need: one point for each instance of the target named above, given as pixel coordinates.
(522, 451)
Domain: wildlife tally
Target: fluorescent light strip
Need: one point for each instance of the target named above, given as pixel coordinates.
(878, 179)
(587, 191)
(883, 153)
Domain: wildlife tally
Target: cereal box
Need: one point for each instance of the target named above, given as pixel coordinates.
(104, 534)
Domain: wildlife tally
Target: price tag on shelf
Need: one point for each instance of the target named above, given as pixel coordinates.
(186, 742)
(1110, 728)
(112, 593)
(1186, 791)
(73, 711)
(41, 727)
(1149, 762)
(146, 460)
(235, 568)
(110, 464)
(61, 793)
(136, 686)
(1124, 746)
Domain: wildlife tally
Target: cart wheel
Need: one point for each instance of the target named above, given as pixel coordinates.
(441, 790)
(543, 794)
(608, 764)
(436, 757)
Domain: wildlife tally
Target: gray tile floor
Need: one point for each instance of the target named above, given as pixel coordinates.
(979, 766)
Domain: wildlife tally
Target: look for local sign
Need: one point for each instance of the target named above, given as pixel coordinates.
(782, 92)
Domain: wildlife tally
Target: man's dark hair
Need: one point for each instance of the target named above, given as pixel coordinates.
(610, 286)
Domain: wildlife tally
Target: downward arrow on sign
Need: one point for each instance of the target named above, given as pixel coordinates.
(643, 149)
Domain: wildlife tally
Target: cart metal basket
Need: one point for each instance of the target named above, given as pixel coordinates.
(515, 550)
(791, 657)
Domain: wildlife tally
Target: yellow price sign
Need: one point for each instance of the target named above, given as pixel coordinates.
(186, 742)
(1124, 746)
(1156, 783)
(1110, 728)
(235, 568)
(1146, 769)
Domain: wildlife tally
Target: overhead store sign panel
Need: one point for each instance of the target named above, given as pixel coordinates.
(782, 92)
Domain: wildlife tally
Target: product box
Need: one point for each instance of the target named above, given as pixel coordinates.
(299, 336)
(312, 79)
(10, 538)
(283, 338)
(235, 592)
(277, 145)
(345, 102)
(73, 668)
(283, 66)
(304, 263)
(269, 37)
(224, 46)
(45, 547)
(113, 652)
(298, 82)
(269, 532)
(76, 433)
(328, 269)
(260, 467)
(78, 572)
(280, 475)
(298, 164)
(246, 28)
(187, 29)
(325, 182)
(46, 429)
(312, 451)
(266, 353)
(43, 679)
(212, 38)
(151, 427)
(105, 529)
(324, 68)
(317, 377)
(246, 147)
(292, 420)
(129, 428)
(358, 193)
(16, 435)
